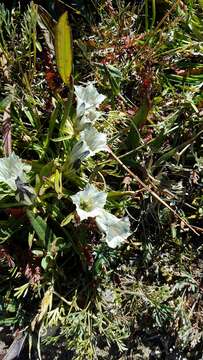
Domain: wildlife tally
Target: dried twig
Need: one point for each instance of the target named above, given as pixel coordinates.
(155, 195)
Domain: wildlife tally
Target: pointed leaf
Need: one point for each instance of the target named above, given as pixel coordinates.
(139, 118)
(63, 48)
(16, 347)
(44, 233)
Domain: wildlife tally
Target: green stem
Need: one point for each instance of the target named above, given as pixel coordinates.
(153, 13)
(11, 205)
(67, 106)
(146, 16)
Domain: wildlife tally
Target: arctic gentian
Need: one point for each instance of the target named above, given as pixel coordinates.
(88, 119)
(90, 142)
(89, 202)
(87, 98)
(116, 230)
(11, 169)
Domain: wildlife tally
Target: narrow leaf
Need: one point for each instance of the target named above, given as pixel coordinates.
(39, 225)
(16, 347)
(63, 48)
(139, 118)
(44, 233)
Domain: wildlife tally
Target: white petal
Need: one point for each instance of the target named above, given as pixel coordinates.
(97, 197)
(89, 202)
(11, 168)
(89, 118)
(90, 143)
(95, 140)
(104, 220)
(80, 151)
(80, 110)
(87, 97)
(84, 215)
(116, 230)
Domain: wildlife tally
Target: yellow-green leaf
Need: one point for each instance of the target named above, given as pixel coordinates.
(63, 48)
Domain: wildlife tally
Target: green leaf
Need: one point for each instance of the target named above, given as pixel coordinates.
(114, 76)
(21, 290)
(7, 321)
(58, 182)
(52, 124)
(29, 116)
(67, 219)
(45, 262)
(5, 102)
(157, 143)
(63, 48)
(139, 118)
(41, 228)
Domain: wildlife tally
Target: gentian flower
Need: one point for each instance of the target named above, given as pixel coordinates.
(87, 98)
(90, 142)
(89, 202)
(11, 169)
(116, 230)
(88, 118)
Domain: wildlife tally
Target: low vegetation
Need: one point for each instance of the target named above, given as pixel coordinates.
(101, 169)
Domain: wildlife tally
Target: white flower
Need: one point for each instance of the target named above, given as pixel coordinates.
(11, 169)
(91, 142)
(116, 230)
(88, 118)
(89, 202)
(87, 97)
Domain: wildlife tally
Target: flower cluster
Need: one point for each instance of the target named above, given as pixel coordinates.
(90, 204)
(88, 100)
(90, 140)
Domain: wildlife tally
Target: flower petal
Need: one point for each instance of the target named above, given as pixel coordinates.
(89, 202)
(116, 230)
(87, 97)
(95, 140)
(11, 168)
(88, 118)
(90, 143)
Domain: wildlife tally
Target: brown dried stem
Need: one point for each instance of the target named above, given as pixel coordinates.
(155, 195)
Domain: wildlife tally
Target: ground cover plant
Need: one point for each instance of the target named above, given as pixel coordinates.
(101, 169)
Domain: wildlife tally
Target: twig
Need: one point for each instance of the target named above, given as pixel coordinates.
(167, 14)
(155, 195)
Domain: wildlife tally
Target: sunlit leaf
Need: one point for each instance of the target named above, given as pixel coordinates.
(63, 48)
